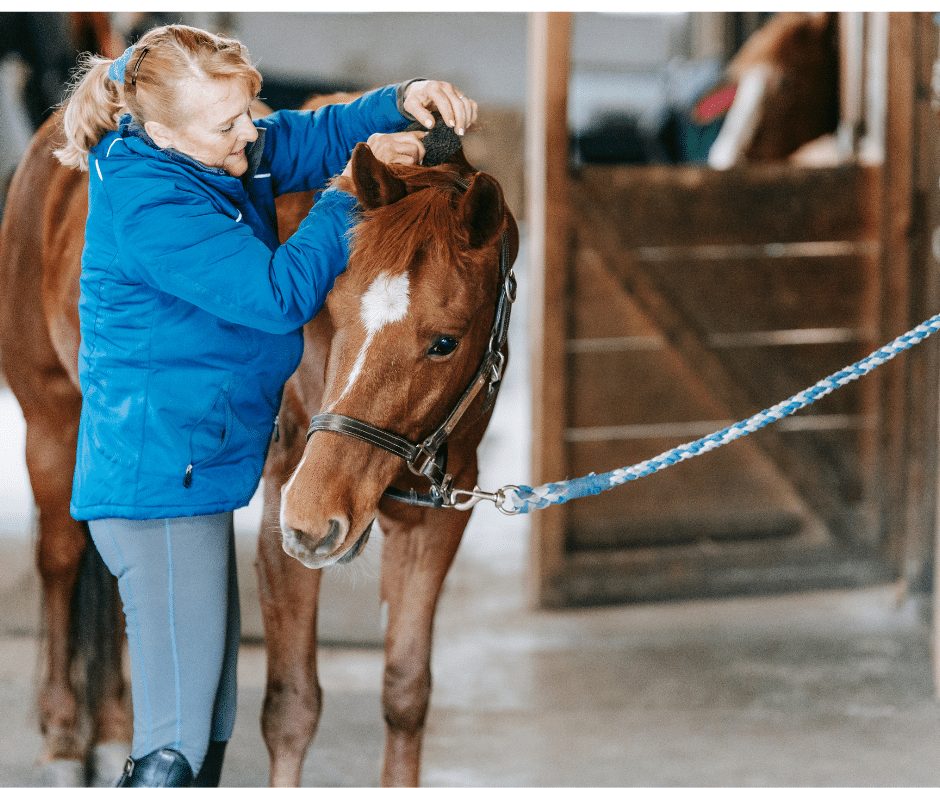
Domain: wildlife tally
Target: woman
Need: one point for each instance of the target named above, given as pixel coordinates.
(191, 316)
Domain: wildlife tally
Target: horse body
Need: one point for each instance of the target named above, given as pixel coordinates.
(374, 352)
(40, 258)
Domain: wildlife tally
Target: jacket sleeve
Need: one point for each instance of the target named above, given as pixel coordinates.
(217, 263)
(305, 149)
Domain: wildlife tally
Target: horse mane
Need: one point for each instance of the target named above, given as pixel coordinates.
(387, 239)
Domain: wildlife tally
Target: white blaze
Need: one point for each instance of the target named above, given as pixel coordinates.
(741, 121)
(385, 302)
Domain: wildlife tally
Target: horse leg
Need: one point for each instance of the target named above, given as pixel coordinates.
(418, 550)
(83, 622)
(61, 542)
(289, 593)
(113, 723)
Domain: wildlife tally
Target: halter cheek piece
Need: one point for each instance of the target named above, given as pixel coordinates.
(429, 457)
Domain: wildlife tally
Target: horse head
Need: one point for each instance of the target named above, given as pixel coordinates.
(411, 319)
(787, 77)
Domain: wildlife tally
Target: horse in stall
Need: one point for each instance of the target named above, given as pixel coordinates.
(399, 342)
(777, 94)
(784, 83)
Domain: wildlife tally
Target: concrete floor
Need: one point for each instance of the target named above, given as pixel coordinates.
(821, 689)
(816, 689)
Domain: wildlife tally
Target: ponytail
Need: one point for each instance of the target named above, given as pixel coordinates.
(93, 105)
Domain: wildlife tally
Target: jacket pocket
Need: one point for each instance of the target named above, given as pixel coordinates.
(109, 427)
(210, 435)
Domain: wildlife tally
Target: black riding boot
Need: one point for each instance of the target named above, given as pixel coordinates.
(211, 770)
(160, 768)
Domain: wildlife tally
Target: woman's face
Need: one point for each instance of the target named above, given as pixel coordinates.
(218, 125)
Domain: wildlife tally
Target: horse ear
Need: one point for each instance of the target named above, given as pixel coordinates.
(483, 209)
(376, 186)
(831, 29)
(827, 22)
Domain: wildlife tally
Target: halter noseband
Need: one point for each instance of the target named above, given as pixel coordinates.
(429, 457)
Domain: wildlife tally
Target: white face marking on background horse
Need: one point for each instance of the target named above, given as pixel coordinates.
(385, 302)
(741, 121)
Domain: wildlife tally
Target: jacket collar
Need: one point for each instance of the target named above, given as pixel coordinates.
(128, 127)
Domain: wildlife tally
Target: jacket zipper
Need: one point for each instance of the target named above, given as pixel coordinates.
(188, 478)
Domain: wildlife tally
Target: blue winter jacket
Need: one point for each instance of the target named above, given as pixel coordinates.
(191, 312)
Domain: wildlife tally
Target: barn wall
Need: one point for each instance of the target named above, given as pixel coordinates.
(485, 53)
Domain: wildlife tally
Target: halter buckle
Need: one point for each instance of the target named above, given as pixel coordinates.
(510, 286)
(499, 365)
(423, 459)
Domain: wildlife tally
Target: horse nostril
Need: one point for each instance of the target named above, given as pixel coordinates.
(332, 538)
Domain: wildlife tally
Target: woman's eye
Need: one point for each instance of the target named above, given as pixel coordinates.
(443, 346)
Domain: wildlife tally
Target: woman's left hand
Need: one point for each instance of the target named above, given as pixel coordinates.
(458, 111)
(402, 147)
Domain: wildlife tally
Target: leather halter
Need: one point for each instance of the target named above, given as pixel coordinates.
(428, 458)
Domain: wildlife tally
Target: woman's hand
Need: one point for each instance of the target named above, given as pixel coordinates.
(402, 147)
(458, 111)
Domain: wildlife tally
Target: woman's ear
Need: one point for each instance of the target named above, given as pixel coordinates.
(160, 134)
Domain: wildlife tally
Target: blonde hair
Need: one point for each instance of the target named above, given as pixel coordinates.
(151, 91)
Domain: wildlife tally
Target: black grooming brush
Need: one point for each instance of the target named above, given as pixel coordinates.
(440, 143)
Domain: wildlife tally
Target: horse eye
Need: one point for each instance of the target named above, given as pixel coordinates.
(443, 346)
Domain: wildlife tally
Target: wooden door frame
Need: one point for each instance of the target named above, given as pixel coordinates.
(546, 210)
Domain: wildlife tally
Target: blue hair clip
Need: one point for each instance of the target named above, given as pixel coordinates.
(118, 67)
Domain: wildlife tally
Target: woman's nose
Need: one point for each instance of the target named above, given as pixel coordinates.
(247, 132)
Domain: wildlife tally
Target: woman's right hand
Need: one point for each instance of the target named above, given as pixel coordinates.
(401, 147)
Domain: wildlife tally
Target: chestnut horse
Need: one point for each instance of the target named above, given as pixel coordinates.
(81, 701)
(399, 340)
(785, 84)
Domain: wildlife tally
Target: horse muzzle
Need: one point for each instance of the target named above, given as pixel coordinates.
(318, 552)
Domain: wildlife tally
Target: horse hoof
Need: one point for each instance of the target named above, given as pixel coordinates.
(63, 773)
(106, 763)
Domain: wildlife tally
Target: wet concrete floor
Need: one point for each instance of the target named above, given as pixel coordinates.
(823, 689)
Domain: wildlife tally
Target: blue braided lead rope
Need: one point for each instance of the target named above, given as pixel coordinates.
(522, 499)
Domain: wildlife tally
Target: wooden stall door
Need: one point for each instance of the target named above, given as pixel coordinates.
(673, 301)
(697, 298)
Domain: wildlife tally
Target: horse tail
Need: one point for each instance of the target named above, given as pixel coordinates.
(97, 624)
